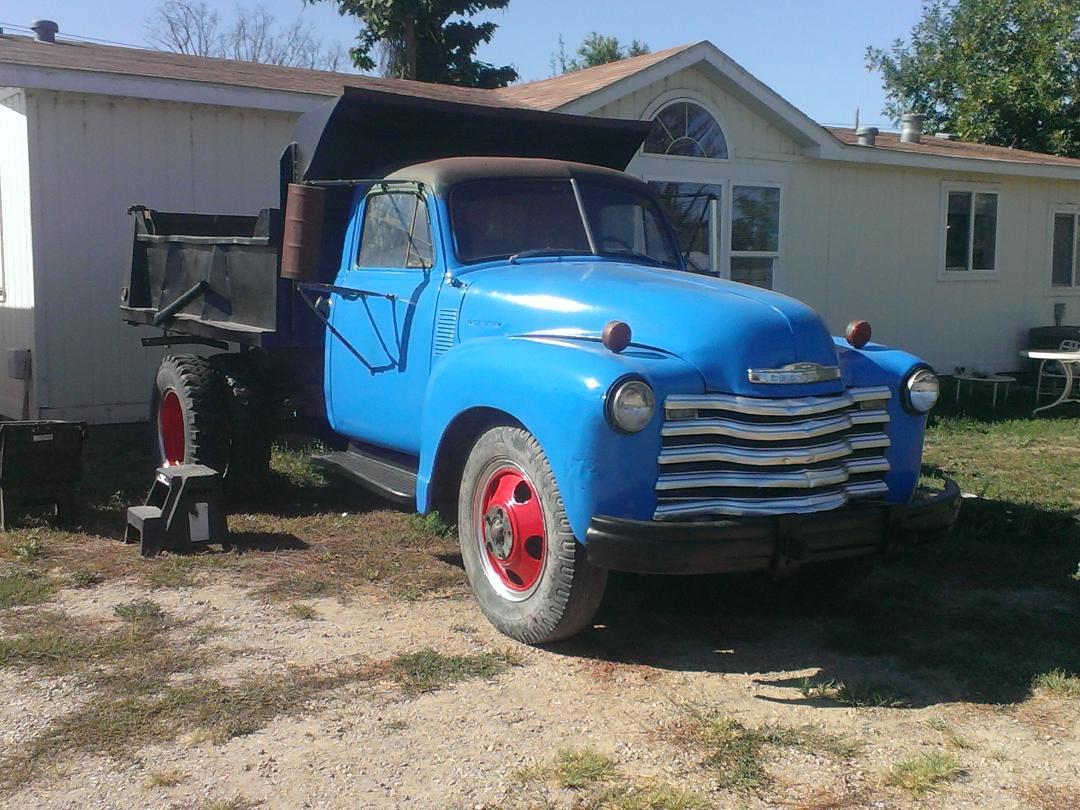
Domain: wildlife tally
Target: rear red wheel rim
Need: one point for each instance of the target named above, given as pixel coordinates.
(171, 429)
(511, 532)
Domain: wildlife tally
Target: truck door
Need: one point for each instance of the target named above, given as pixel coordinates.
(377, 366)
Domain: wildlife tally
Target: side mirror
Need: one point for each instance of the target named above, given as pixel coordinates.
(302, 239)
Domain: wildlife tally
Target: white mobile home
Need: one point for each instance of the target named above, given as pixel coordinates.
(951, 249)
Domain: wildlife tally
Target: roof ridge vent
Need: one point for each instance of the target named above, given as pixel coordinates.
(947, 136)
(45, 30)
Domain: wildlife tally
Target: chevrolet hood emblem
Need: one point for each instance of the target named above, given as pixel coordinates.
(794, 374)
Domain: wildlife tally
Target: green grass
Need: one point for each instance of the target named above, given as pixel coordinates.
(952, 739)
(924, 773)
(860, 695)
(981, 612)
(1057, 682)
(651, 796)
(24, 587)
(428, 670)
(581, 769)
(140, 611)
(736, 754)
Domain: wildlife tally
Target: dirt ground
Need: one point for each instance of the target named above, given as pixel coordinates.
(334, 658)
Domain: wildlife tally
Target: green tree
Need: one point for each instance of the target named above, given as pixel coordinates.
(596, 49)
(1004, 72)
(415, 39)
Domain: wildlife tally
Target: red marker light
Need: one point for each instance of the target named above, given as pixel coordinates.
(858, 333)
(616, 335)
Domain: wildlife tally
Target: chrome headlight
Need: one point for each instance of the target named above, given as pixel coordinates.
(920, 391)
(630, 405)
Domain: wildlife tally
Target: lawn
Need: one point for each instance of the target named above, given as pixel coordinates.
(984, 621)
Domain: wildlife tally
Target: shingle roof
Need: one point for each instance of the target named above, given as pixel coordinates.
(550, 94)
(546, 94)
(944, 147)
(68, 55)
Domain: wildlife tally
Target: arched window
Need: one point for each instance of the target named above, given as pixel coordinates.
(688, 130)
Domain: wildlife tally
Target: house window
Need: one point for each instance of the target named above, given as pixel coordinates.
(395, 233)
(1065, 262)
(685, 129)
(755, 234)
(687, 206)
(971, 231)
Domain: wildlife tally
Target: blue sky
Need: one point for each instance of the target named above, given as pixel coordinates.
(809, 51)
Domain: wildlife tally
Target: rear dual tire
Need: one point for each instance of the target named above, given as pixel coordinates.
(212, 411)
(529, 574)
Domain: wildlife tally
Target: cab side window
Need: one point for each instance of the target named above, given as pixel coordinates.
(396, 233)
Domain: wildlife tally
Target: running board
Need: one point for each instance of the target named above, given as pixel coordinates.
(391, 476)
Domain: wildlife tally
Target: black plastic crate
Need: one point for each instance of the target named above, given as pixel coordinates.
(40, 463)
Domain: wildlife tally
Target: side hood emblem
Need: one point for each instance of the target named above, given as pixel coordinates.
(794, 374)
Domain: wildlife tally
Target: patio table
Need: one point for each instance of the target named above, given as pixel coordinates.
(1068, 361)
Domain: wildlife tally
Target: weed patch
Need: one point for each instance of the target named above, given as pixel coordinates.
(428, 670)
(952, 739)
(1057, 682)
(85, 579)
(24, 587)
(923, 774)
(303, 612)
(872, 694)
(581, 769)
(165, 779)
(736, 754)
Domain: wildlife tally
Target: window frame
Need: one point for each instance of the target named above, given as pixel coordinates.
(418, 194)
(1054, 290)
(664, 101)
(951, 187)
(726, 215)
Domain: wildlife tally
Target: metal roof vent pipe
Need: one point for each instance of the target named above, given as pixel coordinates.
(867, 135)
(45, 30)
(911, 127)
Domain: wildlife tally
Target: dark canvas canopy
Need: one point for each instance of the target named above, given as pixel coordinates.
(369, 133)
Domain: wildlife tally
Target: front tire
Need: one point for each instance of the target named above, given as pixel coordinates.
(530, 575)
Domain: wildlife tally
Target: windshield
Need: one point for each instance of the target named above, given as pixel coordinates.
(506, 217)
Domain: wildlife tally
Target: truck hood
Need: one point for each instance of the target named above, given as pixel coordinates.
(720, 327)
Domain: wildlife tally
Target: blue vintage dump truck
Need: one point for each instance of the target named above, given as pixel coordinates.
(494, 321)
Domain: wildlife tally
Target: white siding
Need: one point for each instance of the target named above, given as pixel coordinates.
(16, 259)
(866, 241)
(92, 157)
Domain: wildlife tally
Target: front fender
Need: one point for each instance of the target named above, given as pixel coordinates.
(555, 387)
(875, 364)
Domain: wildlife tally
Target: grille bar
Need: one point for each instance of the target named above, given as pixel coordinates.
(774, 431)
(799, 479)
(724, 454)
(795, 406)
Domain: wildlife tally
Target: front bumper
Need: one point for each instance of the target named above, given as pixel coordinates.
(774, 543)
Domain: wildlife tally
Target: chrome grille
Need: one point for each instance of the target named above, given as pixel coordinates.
(732, 455)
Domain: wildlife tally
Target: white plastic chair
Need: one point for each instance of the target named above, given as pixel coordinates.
(1052, 370)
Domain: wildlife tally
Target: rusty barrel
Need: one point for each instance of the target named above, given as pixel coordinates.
(303, 232)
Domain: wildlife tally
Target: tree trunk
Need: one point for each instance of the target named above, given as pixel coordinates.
(409, 30)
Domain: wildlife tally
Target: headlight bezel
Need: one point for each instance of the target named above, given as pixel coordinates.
(611, 403)
(914, 400)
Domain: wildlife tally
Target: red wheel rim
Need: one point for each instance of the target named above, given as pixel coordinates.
(171, 429)
(511, 532)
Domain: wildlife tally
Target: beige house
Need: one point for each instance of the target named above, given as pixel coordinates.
(951, 249)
